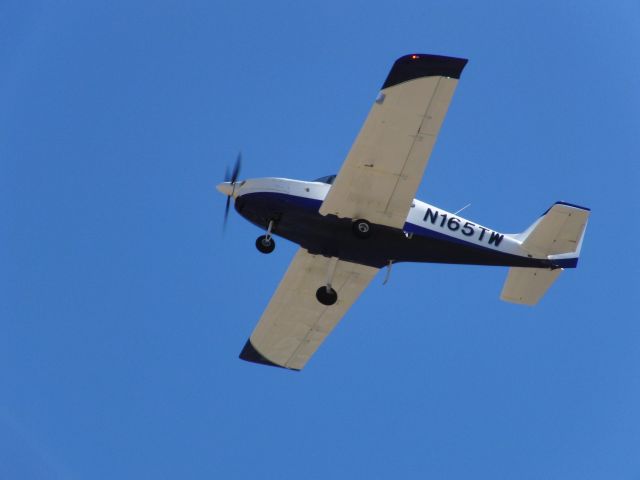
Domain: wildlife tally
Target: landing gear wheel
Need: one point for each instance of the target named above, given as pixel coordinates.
(326, 298)
(361, 228)
(265, 244)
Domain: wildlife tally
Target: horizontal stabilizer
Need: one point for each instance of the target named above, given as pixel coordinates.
(527, 285)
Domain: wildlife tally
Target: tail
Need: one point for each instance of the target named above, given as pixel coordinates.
(556, 235)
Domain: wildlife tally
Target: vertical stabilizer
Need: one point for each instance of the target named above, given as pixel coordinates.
(558, 231)
(557, 235)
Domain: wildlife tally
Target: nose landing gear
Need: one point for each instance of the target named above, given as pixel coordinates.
(266, 243)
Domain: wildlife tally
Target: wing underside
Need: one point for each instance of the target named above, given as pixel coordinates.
(381, 173)
(295, 323)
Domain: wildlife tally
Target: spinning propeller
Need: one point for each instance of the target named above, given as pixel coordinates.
(228, 187)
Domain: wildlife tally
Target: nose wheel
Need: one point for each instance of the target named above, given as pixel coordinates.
(266, 243)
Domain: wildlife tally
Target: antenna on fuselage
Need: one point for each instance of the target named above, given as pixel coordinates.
(467, 205)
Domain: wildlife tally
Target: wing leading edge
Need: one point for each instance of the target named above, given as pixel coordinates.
(381, 173)
(295, 324)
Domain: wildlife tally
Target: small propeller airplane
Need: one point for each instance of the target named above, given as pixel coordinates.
(365, 218)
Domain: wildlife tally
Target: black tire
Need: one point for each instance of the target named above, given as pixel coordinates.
(264, 244)
(361, 228)
(326, 298)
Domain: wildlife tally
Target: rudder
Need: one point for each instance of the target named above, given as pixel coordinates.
(558, 231)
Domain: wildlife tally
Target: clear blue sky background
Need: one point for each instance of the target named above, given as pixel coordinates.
(123, 308)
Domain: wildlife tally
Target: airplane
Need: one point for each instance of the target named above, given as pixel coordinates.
(365, 218)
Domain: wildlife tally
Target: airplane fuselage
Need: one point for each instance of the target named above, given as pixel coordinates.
(350, 225)
(430, 234)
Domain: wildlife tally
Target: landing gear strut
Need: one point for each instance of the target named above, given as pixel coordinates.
(265, 243)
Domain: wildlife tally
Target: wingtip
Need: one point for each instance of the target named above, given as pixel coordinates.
(416, 65)
(250, 354)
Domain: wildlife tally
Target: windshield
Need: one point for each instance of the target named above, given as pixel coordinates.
(328, 179)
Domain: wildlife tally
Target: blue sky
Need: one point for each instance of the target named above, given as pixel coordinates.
(123, 307)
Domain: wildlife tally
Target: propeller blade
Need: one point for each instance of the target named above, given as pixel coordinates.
(236, 168)
(231, 179)
(226, 212)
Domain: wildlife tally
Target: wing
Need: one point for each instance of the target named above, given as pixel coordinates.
(381, 174)
(295, 323)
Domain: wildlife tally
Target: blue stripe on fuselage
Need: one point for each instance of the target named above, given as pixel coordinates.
(312, 206)
(427, 232)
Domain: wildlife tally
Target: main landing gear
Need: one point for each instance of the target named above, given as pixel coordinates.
(361, 228)
(266, 243)
(326, 295)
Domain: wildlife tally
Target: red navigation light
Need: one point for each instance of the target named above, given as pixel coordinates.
(414, 56)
